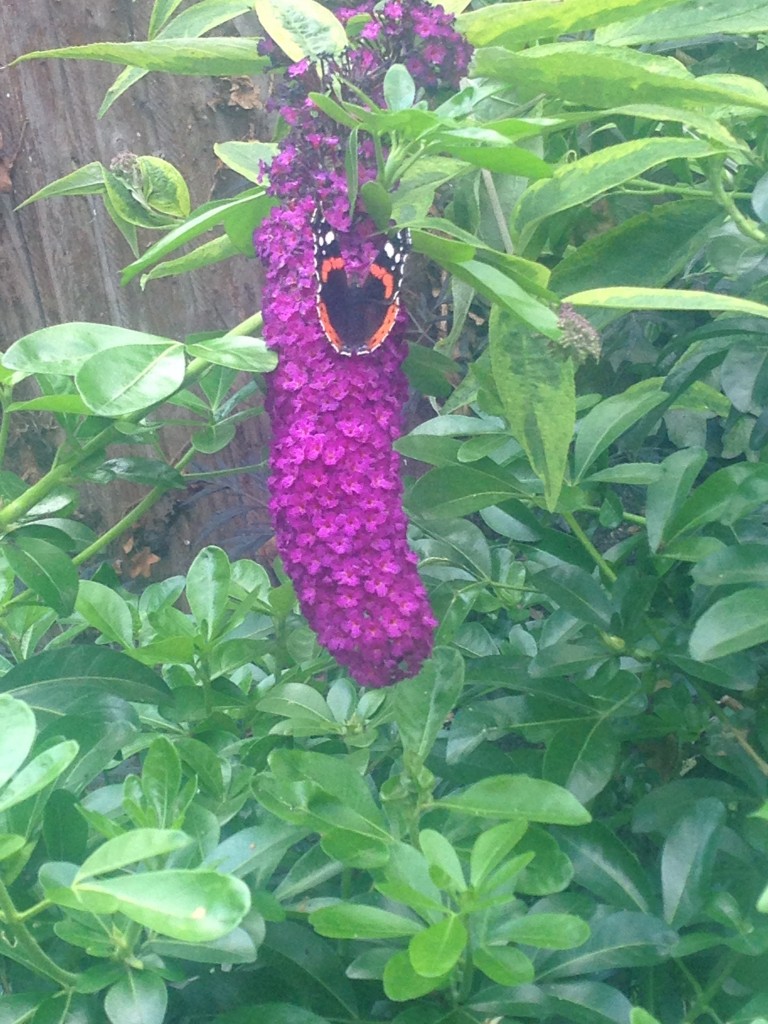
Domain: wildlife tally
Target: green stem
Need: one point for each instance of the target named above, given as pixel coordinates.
(588, 546)
(22, 939)
(5, 425)
(745, 224)
(498, 211)
(131, 517)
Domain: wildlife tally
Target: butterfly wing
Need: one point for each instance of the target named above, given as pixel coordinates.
(380, 293)
(332, 288)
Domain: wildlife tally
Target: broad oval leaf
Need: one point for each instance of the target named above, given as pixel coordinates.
(731, 624)
(137, 845)
(18, 735)
(140, 997)
(195, 906)
(128, 378)
(515, 797)
(301, 28)
(347, 921)
(434, 951)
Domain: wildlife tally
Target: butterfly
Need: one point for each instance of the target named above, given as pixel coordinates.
(356, 319)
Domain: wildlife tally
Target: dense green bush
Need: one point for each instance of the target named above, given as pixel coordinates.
(561, 818)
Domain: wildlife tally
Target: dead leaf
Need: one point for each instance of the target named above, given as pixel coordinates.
(140, 564)
(244, 94)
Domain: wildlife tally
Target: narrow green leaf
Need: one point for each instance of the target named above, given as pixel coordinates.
(85, 181)
(161, 780)
(582, 180)
(576, 592)
(582, 756)
(666, 298)
(499, 287)
(138, 845)
(227, 55)
(346, 921)
(537, 390)
(609, 420)
(548, 931)
(452, 491)
(162, 10)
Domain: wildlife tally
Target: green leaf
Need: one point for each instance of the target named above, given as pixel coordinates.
(105, 610)
(504, 965)
(401, 982)
(85, 181)
(64, 348)
(548, 931)
(444, 864)
(138, 998)
(582, 180)
(606, 867)
(39, 773)
(499, 287)
(18, 735)
(434, 951)
(236, 351)
(161, 780)
(517, 797)
(666, 495)
(666, 298)
(228, 55)
(687, 860)
(705, 18)
(54, 679)
(491, 847)
(747, 563)
(604, 77)
(313, 967)
(45, 569)
(534, 20)
(346, 921)
(641, 1016)
(248, 208)
(131, 848)
(623, 939)
(300, 703)
(451, 491)
(399, 88)
(247, 158)
(537, 391)
(207, 590)
(576, 592)
(734, 623)
(129, 378)
(421, 705)
(195, 906)
(645, 250)
(582, 756)
(726, 496)
(301, 28)
(10, 844)
(608, 420)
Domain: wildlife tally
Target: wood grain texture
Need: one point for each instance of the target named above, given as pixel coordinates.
(60, 259)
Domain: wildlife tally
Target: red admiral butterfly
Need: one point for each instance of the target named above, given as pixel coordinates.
(356, 319)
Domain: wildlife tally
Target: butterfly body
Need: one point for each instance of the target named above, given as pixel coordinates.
(357, 319)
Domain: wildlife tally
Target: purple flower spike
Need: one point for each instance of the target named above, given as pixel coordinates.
(335, 485)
